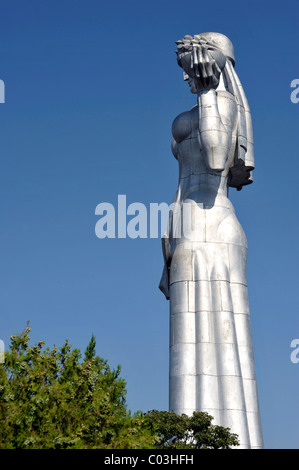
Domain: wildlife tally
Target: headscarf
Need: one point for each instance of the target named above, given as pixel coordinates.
(241, 170)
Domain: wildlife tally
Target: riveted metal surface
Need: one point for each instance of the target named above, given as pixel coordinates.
(211, 353)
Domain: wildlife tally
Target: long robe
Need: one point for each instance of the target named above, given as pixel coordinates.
(211, 353)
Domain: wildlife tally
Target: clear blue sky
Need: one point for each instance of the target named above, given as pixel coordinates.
(92, 88)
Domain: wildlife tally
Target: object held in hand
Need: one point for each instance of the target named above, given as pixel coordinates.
(201, 61)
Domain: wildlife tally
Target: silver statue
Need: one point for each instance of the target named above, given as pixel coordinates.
(205, 249)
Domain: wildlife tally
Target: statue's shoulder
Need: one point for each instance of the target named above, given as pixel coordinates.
(183, 124)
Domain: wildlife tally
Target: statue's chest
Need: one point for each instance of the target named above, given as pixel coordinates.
(185, 125)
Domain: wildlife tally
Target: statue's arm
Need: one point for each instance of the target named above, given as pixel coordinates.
(205, 67)
(214, 137)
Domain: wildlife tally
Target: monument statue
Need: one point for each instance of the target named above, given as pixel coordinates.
(205, 249)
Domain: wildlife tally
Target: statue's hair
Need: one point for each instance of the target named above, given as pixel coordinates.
(212, 41)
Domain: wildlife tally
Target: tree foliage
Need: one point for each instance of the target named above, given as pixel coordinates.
(190, 432)
(51, 399)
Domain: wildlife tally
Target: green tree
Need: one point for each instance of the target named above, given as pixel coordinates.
(189, 432)
(51, 399)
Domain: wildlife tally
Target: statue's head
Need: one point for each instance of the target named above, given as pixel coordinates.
(203, 55)
(219, 42)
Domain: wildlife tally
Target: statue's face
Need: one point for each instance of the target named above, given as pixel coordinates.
(202, 68)
(193, 83)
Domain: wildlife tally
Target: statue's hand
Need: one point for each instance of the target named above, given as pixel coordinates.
(203, 66)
